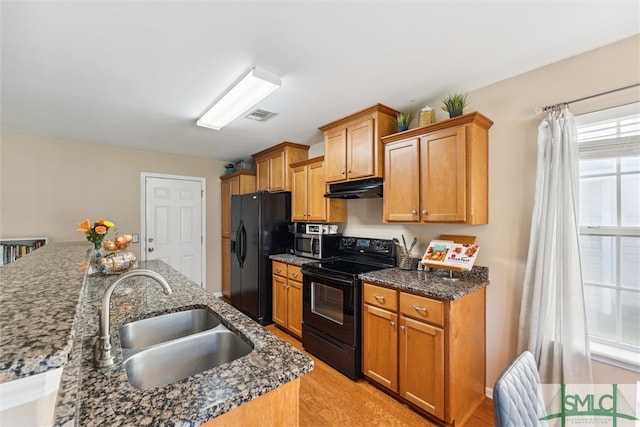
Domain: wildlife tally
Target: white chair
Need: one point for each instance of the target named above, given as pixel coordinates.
(517, 395)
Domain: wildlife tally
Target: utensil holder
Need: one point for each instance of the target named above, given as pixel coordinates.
(405, 262)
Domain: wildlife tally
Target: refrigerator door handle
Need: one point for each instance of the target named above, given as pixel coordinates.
(238, 245)
(244, 244)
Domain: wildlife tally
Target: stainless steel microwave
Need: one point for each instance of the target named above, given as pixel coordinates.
(317, 246)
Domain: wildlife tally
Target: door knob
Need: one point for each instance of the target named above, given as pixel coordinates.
(150, 249)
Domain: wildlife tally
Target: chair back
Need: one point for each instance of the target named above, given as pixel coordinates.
(517, 395)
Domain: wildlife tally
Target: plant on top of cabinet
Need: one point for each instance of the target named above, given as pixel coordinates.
(403, 120)
(455, 104)
(438, 173)
(352, 148)
(272, 166)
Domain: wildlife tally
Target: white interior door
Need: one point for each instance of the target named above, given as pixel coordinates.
(173, 223)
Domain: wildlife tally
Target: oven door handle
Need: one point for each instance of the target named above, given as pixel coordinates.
(327, 277)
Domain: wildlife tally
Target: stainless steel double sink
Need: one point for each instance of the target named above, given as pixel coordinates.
(164, 349)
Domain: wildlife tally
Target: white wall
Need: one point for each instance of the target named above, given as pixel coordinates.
(48, 186)
(512, 162)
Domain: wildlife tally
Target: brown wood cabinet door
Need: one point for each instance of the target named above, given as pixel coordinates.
(225, 207)
(299, 194)
(380, 346)
(335, 155)
(443, 179)
(316, 202)
(262, 173)
(422, 365)
(277, 171)
(361, 150)
(225, 268)
(402, 181)
(280, 301)
(295, 307)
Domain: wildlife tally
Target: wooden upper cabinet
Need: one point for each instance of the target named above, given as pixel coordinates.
(444, 175)
(272, 166)
(230, 185)
(446, 180)
(307, 194)
(361, 150)
(402, 182)
(352, 147)
(335, 148)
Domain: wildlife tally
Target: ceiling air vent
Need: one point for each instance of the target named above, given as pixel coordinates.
(260, 115)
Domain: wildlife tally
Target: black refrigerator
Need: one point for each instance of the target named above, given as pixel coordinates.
(259, 228)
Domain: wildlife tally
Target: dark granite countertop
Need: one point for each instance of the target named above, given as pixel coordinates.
(56, 323)
(435, 283)
(291, 259)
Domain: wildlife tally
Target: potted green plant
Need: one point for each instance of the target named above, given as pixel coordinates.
(455, 104)
(403, 120)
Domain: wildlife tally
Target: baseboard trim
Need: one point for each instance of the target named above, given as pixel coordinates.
(488, 391)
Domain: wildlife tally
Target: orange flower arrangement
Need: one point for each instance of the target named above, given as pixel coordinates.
(95, 232)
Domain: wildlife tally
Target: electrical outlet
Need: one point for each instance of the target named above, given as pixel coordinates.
(136, 238)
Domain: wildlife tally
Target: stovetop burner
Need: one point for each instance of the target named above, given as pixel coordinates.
(357, 255)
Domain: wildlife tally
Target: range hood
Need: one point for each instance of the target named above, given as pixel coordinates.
(360, 189)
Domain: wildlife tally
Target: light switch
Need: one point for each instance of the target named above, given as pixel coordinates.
(136, 238)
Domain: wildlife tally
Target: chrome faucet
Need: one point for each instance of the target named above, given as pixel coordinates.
(103, 352)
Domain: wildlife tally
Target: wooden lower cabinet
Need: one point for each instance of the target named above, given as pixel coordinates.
(426, 352)
(279, 407)
(287, 297)
(422, 365)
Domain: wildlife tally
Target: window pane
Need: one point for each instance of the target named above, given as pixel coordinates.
(630, 262)
(597, 166)
(598, 254)
(630, 200)
(601, 312)
(630, 312)
(598, 201)
(630, 164)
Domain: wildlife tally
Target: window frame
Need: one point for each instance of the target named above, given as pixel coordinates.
(605, 350)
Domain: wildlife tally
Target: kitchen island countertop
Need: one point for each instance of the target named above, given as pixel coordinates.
(55, 325)
(435, 284)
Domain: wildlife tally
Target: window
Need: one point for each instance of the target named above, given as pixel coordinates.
(609, 146)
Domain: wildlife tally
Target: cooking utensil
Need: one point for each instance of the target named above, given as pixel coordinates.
(404, 242)
(415, 240)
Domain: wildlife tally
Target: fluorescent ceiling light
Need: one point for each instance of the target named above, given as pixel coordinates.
(253, 88)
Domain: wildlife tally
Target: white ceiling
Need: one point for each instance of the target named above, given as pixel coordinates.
(139, 74)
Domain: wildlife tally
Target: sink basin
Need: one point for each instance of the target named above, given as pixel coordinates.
(154, 330)
(172, 361)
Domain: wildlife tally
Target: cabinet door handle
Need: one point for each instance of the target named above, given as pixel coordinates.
(421, 309)
(349, 171)
(342, 173)
(295, 274)
(402, 328)
(413, 211)
(380, 298)
(392, 323)
(278, 270)
(424, 212)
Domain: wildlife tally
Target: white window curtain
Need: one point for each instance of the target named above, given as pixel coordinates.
(553, 322)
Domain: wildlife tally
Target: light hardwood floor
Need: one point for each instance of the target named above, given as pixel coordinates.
(328, 398)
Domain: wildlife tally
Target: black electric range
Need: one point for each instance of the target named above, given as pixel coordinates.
(332, 301)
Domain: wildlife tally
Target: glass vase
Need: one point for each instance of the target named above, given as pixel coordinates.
(95, 259)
